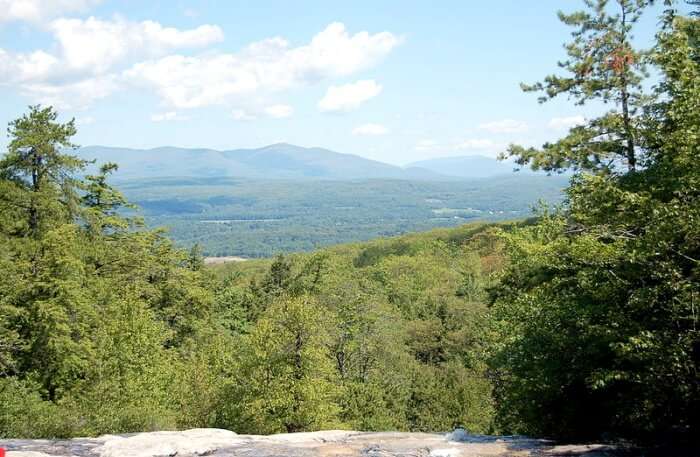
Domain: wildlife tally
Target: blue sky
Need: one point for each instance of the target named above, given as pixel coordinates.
(395, 81)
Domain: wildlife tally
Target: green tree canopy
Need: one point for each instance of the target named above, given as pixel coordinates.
(597, 309)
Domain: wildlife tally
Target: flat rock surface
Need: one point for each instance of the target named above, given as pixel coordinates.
(333, 443)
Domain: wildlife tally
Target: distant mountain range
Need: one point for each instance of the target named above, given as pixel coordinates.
(277, 161)
(475, 166)
(284, 161)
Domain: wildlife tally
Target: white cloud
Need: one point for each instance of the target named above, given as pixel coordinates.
(333, 51)
(279, 111)
(87, 51)
(191, 82)
(267, 66)
(242, 115)
(349, 96)
(40, 10)
(426, 145)
(370, 129)
(96, 45)
(504, 126)
(26, 67)
(92, 58)
(564, 123)
(70, 95)
(475, 143)
(168, 116)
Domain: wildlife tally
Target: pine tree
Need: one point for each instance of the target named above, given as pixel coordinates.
(603, 66)
(39, 173)
(78, 278)
(49, 303)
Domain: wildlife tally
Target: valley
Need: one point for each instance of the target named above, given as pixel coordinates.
(259, 218)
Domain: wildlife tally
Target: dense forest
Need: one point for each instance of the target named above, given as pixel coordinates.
(581, 323)
(261, 218)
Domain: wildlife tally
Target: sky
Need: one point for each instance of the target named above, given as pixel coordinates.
(395, 81)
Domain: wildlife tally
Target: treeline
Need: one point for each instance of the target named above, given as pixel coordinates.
(580, 324)
(103, 325)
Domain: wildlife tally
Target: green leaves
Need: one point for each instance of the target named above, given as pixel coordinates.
(284, 380)
(597, 306)
(94, 310)
(45, 187)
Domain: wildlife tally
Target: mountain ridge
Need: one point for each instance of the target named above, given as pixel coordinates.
(275, 161)
(286, 161)
(471, 166)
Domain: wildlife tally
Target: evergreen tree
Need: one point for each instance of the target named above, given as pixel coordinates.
(37, 174)
(50, 309)
(603, 66)
(94, 309)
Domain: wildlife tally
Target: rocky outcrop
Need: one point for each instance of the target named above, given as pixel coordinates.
(336, 443)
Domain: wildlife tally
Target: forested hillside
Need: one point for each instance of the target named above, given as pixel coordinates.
(111, 329)
(262, 218)
(386, 335)
(578, 324)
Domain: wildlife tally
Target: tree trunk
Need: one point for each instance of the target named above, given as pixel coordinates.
(631, 158)
(624, 90)
(36, 184)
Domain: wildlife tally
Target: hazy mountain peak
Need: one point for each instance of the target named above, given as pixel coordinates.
(275, 161)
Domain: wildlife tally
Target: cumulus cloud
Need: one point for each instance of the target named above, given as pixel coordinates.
(279, 111)
(348, 97)
(101, 56)
(81, 69)
(504, 126)
(563, 123)
(41, 10)
(370, 129)
(168, 116)
(97, 45)
(26, 67)
(267, 66)
(70, 95)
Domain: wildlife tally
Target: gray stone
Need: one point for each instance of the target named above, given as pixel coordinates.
(333, 443)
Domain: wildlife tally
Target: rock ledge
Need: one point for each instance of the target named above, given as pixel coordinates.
(340, 443)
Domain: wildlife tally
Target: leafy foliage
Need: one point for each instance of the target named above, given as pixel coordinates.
(107, 327)
(95, 311)
(591, 333)
(597, 307)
